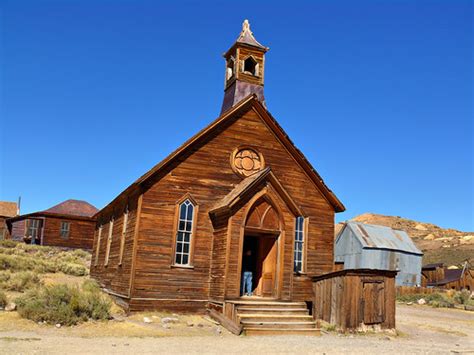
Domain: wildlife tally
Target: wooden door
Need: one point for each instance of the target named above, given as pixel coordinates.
(267, 259)
(374, 302)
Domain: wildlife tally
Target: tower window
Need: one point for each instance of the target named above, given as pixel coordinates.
(250, 66)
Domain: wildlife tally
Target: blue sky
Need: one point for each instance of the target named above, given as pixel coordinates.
(377, 94)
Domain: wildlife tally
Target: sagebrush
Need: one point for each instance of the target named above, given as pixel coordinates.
(63, 304)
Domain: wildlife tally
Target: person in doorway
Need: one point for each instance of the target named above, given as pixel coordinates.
(247, 273)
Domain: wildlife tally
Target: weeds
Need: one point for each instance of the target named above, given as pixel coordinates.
(21, 281)
(440, 299)
(64, 304)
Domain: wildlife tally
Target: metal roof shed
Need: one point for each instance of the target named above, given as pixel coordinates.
(366, 246)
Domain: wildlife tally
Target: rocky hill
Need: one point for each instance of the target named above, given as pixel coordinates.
(449, 246)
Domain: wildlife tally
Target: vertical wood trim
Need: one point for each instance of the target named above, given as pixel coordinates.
(305, 243)
(227, 256)
(109, 241)
(97, 251)
(135, 243)
(122, 236)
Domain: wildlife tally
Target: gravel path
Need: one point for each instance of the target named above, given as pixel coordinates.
(423, 330)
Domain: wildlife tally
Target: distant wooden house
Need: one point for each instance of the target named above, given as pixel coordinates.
(366, 246)
(7, 210)
(68, 224)
(437, 275)
(175, 238)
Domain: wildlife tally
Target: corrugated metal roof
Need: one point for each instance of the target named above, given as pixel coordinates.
(381, 237)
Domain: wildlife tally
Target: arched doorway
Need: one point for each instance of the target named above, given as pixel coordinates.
(261, 236)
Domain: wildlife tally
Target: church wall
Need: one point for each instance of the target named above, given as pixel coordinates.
(207, 175)
(115, 277)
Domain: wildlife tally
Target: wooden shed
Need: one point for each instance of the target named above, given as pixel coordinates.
(356, 299)
(439, 276)
(68, 224)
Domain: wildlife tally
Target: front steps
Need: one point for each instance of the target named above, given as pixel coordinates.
(269, 317)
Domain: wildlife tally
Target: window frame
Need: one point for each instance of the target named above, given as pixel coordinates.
(190, 264)
(109, 242)
(122, 236)
(68, 230)
(97, 251)
(303, 230)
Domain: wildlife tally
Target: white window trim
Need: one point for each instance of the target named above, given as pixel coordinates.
(301, 232)
(185, 231)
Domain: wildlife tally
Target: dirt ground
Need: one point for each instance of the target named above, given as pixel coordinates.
(422, 330)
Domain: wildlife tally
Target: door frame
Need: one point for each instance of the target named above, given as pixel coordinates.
(280, 239)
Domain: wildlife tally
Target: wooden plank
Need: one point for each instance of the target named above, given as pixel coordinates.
(227, 323)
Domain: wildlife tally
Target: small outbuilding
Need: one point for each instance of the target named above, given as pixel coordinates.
(69, 224)
(366, 246)
(438, 275)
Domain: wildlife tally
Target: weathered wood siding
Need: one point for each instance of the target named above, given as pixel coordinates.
(81, 233)
(18, 230)
(115, 277)
(206, 174)
(351, 299)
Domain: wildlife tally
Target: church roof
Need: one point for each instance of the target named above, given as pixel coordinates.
(250, 102)
(246, 37)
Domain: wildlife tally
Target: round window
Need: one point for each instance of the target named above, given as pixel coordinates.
(247, 161)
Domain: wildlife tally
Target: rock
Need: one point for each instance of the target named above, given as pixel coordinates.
(155, 317)
(11, 306)
(58, 325)
(218, 330)
(118, 318)
(167, 320)
(189, 323)
(429, 237)
(166, 326)
(200, 325)
(409, 303)
(147, 320)
(421, 301)
(421, 227)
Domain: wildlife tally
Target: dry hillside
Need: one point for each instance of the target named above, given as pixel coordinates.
(449, 246)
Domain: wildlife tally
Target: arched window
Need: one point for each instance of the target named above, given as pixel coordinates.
(299, 244)
(184, 233)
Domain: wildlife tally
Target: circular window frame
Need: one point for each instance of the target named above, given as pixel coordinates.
(236, 170)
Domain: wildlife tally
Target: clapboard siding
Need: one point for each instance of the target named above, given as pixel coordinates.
(81, 233)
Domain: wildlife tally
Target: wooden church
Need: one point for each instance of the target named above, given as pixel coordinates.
(175, 239)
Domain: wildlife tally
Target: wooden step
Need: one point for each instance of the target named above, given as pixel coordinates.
(277, 324)
(275, 304)
(282, 331)
(258, 317)
(272, 310)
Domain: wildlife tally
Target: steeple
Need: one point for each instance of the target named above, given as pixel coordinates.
(245, 62)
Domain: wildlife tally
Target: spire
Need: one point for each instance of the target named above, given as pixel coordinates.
(246, 37)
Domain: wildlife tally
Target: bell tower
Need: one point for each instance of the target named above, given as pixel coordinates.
(245, 64)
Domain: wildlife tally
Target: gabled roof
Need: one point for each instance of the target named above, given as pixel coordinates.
(74, 208)
(240, 191)
(432, 266)
(381, 237)
(8, 209)
(250, 102)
